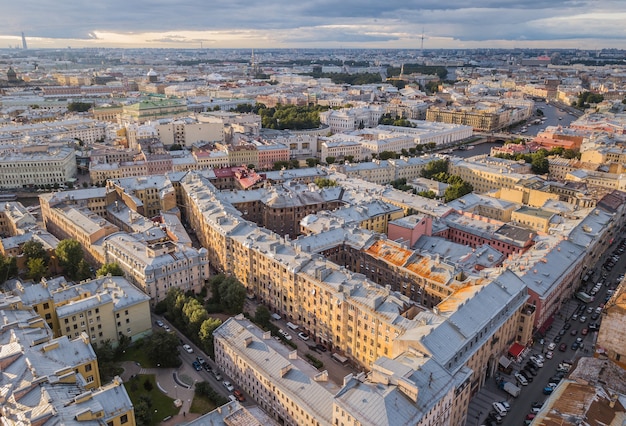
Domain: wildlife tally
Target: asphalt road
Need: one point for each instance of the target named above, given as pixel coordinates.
(521, 406)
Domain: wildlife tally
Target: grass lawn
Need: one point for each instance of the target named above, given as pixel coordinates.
(138, 354)
(161, 403)
(201, 405)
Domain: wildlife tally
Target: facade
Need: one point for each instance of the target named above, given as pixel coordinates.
(37, 166)
(155, 268)
(101, 309)
(611, 340)
(88, 131)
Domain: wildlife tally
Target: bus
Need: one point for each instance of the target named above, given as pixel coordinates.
(584, 297)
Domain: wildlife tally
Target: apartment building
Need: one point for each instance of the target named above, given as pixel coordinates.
(156, 267)
(38, 165)
(283, 385)
(187, 131)
(87, 130)
(146, 195)
(349, 119)
(101, 309)
(611, 340)
(46, 381)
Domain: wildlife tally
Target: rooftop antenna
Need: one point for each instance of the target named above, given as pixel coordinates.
(422, 49)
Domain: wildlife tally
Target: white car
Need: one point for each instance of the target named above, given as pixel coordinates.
(549, 354)
(536, 361)
(284, 334)
(551, 346)
(521, 379)
(188, 348)
(228, 386)
(303, 336)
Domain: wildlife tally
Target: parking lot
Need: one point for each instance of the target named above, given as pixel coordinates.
(572, 334)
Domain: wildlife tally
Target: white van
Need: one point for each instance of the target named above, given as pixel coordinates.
(499, 408)
(292, 326)
(276, 317)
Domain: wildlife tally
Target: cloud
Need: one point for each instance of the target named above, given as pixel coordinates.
(283, 23)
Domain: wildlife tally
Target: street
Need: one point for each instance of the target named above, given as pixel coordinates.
(480, 405)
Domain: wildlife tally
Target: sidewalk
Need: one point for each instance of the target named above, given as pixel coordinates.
(168, 381)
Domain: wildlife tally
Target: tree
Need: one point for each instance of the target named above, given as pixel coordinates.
(457, 190)
(386, 155)
(232, 295)
(262, 315)
(162, 349)
(34, 250)
(84, 270)
(8, 268)
(433, 168)
(78, 106)
(37, 269)
(312, 162)
(110, 268)
(206, 334)
(176, 147)
(325, 182)
(540, 165)
(70, 253)
(330, 160)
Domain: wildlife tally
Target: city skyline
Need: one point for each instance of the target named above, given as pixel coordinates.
(582, 24)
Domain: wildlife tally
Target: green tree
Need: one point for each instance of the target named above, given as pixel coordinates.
(70, 253)
(540, 165)
(386, 155)
(312, 162)
(176, 147)
(232, 295)
(78, 106)
(110, 268)
(34, 250)
(8, 268)
(262, 316)
(325, 182)
(457, 190)
(37, 268)
(434, 167)
(84, 270)
(206, 334)
(162, 349)
(330, 160)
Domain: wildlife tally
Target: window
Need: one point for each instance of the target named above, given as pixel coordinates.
(124, 419)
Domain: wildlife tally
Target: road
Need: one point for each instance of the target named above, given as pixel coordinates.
(480, 405)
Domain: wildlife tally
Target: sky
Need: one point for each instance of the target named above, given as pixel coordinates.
(446, 24)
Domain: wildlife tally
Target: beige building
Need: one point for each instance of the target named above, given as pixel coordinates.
(146, 195)
(188, 131)
(155, 268)
(37, 166)
(612, 335)
(103, 309)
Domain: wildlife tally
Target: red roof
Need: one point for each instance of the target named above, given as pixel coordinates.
(516, 349)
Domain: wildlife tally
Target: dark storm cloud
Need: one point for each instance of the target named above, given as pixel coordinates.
(369, 21)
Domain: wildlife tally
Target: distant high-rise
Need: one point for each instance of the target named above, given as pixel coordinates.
(24, 46)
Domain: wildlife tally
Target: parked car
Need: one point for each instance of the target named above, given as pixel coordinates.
(303, 336)
(521, 379)
(574, 346)
(159, 323)
(551, 346)
(563, 347)
(321, 347)
(595, 316)
(567, 326)
(557, 338)
(188, 348)
(549, 355)
(166, 328)
(239, 395)
(506, 405)
(196, 365)
(584, 331)
(536, 361)
(583, 319)
(228, 385)
(537, 404)
(284, 334)
(527, 375)
(573, 332)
